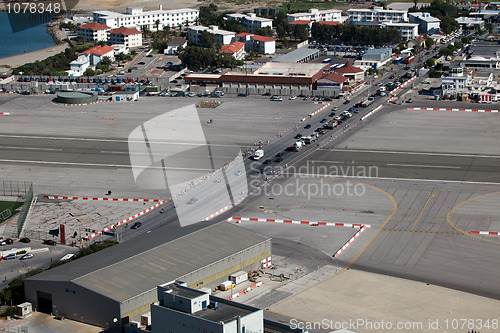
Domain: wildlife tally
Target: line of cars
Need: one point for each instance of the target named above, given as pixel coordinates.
(10, 256)
(75, 80)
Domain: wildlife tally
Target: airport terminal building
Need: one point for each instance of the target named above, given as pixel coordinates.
(117, 285)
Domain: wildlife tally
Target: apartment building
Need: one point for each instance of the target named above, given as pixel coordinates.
(93, 32)
(135, 17)
(236, 49)
(222, 37)
(257, 43)
(251, 21)
(377, 14)
(316, 15)
(125, 36)
(426, 23)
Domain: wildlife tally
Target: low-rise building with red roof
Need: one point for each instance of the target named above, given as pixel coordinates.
(257, 43)
(126, 36)
(93, 32)
(236, 49)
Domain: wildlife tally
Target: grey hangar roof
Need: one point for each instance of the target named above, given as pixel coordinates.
(138, 265)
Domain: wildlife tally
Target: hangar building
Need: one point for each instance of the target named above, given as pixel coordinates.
(116, 285)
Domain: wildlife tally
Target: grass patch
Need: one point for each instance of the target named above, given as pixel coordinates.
(303, 6)
(10, 205)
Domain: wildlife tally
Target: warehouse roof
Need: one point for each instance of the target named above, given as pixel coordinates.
(297, 55)
(146, 261)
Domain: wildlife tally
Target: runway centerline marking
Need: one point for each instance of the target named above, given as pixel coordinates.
(423, 166)
(411, 153)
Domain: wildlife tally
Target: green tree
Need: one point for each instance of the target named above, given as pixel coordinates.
(300, 31)
(430, 62)
(458, 45)
(489, 26)
(207, 39)
(157, 25)
(452, 48)
(89, 72)
(444, 51)
(429, 42)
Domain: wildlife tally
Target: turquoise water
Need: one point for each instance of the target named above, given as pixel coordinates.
(25, 40)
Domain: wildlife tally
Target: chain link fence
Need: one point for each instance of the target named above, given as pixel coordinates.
(12, 188)
(23, 214)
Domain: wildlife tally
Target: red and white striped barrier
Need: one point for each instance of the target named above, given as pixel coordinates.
(320, 109)
(81, 104)
(493, 233)
(252, 287)
(55, 197)
(350, 241)
(448, 109)
(331, 224)
(4, 113)
(371, 112)
(126, 220)
(220, 211)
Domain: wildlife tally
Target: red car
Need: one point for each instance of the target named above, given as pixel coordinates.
(347, 101)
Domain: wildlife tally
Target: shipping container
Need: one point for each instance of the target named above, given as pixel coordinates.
(238, 277)
(226, 285)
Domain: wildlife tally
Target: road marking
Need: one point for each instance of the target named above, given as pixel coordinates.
(31, 148)
(422, 210)
(411, 153)
(423, 166)
(391, 178)
(102, 165)
(331, 162)
(448, 219)
(108, 140)
(427, 232)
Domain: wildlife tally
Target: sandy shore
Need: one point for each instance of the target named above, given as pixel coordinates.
(21, 59)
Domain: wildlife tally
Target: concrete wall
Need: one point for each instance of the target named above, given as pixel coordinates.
(172, 321)
(253, 322)
(75, 302)
(212, 275)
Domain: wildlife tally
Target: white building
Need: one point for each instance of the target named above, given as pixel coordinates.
(456, 83)
(184, 310)
(251, 21)
(481, 62)
(137, 18)
(377, 14)
(174, 44)
(80, 65)
(316, 15)
(374, 58)
(236, 49)
(257, 43)
(408, 30)
(470, 22)
(222, 37)
(93, 32)
(126, 36)
(426, 23)
(90, 57)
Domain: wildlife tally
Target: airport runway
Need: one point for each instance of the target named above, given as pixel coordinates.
(401, 164)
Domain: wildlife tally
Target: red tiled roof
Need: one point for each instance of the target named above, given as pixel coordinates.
(101, 50)
(301, 22)
(263, 38)
(348, 68)
(124, 31)
(335, 77)
(94, 26)
(243, 34)
(329, 22)
(232, 48)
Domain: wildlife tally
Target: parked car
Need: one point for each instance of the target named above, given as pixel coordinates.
(347, 101)
(292, 98)
(307, 126)
(49, 242)
(25, 240)
(298, 136)
(324, 120)
(10, 256)
(6, 241)
(267, 162)
(279, 159)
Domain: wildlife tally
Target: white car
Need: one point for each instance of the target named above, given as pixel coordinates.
(292, 98)
(426, 82)
(276, 98)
